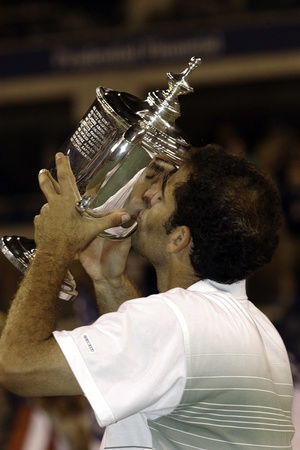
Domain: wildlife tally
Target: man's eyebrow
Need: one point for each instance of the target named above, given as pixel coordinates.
(156, 167)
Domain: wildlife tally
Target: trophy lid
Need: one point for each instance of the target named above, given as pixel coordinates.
(156, 115)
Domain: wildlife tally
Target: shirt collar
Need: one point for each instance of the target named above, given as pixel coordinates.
(238, 290)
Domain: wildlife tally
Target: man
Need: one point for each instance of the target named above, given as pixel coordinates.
(195, 366)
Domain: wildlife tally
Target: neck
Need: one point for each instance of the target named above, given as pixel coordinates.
(169, 279)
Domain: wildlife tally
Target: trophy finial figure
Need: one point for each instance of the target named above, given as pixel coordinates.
(164, 104)
(177, 82)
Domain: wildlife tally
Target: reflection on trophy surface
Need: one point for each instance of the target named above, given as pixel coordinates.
(121, 147)
(130, 196)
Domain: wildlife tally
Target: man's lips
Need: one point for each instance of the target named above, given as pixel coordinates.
(140, 214)
(136, 212)
(134, 218)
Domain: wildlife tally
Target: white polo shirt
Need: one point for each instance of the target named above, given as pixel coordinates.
(190, 368)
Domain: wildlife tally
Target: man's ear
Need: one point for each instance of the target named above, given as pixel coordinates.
(180, 238)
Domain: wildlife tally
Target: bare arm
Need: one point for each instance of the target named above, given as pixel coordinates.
(105, 262)
(31, 362)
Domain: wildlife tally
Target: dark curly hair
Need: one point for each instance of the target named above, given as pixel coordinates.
(233, 211)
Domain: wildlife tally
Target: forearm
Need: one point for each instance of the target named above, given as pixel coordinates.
(36, 304)
(27, 337)
(111, 294)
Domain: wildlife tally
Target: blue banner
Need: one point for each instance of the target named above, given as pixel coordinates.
(148, 49)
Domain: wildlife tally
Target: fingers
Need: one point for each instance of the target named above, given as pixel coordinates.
(55, 184)
(65, 175)
(46, 184)
(109, 220)
(66, 181)
(89, 212)
(73, 180)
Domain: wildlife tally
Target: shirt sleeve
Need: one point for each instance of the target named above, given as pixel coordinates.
(129, 361)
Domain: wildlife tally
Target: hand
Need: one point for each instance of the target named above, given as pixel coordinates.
(60, 228)
(105, 260)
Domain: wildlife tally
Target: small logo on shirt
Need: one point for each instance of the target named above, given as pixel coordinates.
(88, 343)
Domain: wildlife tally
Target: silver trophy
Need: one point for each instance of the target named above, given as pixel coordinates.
(121, 144)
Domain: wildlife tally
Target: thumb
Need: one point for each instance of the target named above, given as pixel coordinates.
(110, 220)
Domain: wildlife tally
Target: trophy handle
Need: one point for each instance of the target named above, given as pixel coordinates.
(20, 251)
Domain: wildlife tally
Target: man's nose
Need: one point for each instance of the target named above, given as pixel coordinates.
(152, 194)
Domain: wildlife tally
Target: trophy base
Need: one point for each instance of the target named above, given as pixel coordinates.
(20, 251)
